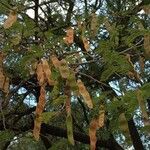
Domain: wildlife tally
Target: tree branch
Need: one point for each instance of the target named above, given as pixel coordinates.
(138, 44)
(132, 129)
(84, 110)
(69, 13)
(56, 131)
(36, 13)
(137, 143)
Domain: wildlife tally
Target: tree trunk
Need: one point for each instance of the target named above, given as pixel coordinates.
(137, 143)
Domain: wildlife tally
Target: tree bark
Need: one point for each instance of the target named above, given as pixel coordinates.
(137, 143)
(56, 131)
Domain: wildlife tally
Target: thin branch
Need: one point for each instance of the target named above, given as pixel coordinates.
(86, 9)
(76, 125)
(2, 113)
(101, 83)
(69, 13)
(43, 11)
(41, 4)
(134, 46)
(84, 63)
(23, 113)
(84, 110)
(75, 52)
(11, 93)
(71, 53)
(96, 3)
(6, 6)
(36, 13)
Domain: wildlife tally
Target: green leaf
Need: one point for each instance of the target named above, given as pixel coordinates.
(60, 144)
(47, 116)
(107, 73)
(15, 40)
(124, 125)
(60, 100)
(123, 122)
(130, 103)
(146, 129)
(5, 136)
(26, 143)
(145, 90)
(55, 92)
(72, 82)
(69, 129)
(142, 104)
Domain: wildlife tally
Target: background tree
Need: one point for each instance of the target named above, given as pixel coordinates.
(76, 70)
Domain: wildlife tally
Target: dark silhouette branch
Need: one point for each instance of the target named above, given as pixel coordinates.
(84, 110)
(56, 131)
(69, 13)
(36, 16)
(137, 143)
(59, 132)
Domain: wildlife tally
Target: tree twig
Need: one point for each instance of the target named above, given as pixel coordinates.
(101, 83)
(134, 46)
(84, 110)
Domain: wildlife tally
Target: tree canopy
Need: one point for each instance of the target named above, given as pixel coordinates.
(74, 74)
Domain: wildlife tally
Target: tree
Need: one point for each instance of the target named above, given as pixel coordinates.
(74, 74)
